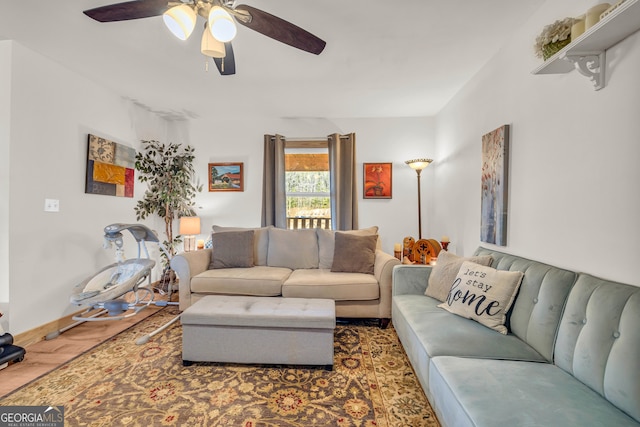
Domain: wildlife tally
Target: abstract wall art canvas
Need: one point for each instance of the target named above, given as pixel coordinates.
(495, 177)
(110, 168)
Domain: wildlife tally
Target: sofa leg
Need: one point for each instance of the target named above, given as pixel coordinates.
(384, 323)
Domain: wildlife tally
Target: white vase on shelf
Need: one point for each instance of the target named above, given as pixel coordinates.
(593, 15)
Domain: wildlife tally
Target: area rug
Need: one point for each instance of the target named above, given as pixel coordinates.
(121, 383)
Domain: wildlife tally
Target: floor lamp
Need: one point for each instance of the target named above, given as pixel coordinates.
(417, 165)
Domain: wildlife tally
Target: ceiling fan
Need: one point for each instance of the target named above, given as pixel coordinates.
(180, 18)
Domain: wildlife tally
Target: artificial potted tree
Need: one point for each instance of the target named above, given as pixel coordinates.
(169, 174)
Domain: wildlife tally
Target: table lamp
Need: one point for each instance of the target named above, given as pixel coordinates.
(189, 227)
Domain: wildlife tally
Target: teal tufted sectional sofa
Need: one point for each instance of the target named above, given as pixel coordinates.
(571, 357)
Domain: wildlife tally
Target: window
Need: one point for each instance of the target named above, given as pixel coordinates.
(308, 201)
(342, 193)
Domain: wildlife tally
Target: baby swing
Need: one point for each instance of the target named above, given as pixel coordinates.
(106, 290)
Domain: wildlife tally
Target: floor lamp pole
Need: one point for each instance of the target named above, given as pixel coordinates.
(417, 165)
(419, 207)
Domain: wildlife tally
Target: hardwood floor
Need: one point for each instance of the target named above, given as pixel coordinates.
(45, 356)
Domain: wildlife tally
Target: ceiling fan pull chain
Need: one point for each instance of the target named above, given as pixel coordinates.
(222, 66)
(206, 65)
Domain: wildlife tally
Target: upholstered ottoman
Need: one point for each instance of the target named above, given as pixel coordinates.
(269, 330)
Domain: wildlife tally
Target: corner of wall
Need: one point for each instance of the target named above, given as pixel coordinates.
(5, 137)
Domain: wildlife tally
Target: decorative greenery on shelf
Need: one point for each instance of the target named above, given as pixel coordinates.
(168, 170)
(554, 37)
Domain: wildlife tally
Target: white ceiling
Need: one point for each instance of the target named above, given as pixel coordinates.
(405, 59)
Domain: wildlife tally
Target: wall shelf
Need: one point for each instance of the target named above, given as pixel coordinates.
(587, 53)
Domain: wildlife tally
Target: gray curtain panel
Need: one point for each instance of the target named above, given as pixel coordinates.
(274, 206)
(342, 172)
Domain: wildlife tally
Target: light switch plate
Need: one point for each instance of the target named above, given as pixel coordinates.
(51, 205)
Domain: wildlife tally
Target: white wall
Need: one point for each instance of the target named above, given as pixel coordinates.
(377, 140)
(573, 199)
(52, 111)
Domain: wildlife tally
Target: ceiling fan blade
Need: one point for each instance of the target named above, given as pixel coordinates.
(281, 30)
(226, 65)
(128, 10)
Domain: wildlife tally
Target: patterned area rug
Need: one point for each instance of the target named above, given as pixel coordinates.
(121, 383)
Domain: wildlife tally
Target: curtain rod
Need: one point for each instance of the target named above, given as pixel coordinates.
(305, 139)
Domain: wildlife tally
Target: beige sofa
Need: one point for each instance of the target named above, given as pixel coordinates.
(313, 263)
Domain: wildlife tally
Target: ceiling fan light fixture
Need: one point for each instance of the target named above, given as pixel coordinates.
(221, 24)
(210, 46)
(180, 20)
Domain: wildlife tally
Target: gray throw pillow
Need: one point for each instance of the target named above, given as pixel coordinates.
(445, 271)
(232, 249)
(326, 243)
(354, 253)
(260, 241)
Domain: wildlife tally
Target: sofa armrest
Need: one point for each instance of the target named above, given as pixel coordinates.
(382, 271)
(186, 265)
(410, 279)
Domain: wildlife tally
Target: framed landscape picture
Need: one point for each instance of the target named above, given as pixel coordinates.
(226, 177)
(495, 179)
(377, 180)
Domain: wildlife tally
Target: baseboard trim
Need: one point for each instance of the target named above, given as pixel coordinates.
(39, 333)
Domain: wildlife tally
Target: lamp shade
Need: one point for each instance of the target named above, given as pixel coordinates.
(210, 46)
(221, 24)
(180, 20)
(418, 164)
(189, 225)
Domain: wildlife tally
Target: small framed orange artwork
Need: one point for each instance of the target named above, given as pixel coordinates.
(377, 180)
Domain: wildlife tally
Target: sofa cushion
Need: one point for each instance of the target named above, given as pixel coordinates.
(353, 253)
(326, 243)
(536, 313)
(232, 249)
(445, 271)
(441, 333)
(253, 281)
(598, 340)
(483, 294)
(322, 283)
(473, 392)
(260, 241)
(292, 248)
(427, 332)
